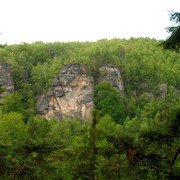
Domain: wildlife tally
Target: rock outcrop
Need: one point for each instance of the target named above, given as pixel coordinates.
(162, 90)
(72, 93)
(112, 75)
(6, 80)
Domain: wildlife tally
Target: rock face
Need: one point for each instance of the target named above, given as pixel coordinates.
(6, 80)
(162, 89)
(72, 93)
(112, 75)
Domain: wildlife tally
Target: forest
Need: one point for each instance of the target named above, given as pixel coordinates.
(132, 136)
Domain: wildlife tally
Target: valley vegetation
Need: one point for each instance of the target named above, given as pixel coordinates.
(132, 136)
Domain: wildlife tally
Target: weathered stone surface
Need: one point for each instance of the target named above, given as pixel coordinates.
(163, 89)
(72, 94)
(42, 104)
(6, 80)
(150, 96)
(58, 115)
(87, 98)
(58, 90)
(75, 69)
(112, 75)
(73, 91)
(56, 82)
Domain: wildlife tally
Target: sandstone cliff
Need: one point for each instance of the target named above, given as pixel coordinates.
(112, 75)
(6, 80)
(72, 93)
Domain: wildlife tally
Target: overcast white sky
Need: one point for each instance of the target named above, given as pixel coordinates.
(83, 20)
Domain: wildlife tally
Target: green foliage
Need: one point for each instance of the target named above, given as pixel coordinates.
(173, 41)
(12, 129)
(108, 101)
(12, 137)
(22, 103)
(131, 137)
(1, 89)
(12, 103)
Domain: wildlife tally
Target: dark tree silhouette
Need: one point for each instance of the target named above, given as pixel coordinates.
(173, 41)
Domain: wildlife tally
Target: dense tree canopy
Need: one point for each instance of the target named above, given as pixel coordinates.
(108, 101)
(131, 137)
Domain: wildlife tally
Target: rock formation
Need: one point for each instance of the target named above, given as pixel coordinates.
(6, 80)
(72, 93)
(112, 75)
(163, 90)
